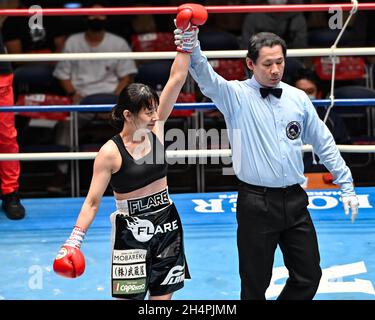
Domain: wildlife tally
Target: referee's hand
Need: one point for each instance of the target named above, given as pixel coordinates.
(350, 202)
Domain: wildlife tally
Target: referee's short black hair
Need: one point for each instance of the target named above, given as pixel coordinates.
(264, 39)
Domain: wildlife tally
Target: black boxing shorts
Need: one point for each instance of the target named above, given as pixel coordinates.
(147, 248)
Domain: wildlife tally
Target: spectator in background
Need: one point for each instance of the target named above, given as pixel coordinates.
(229, 22)
(83, 78)
(9, 170)
(91, 82)
(22, 35)
(291, 26)
(363, 31)
(307, 80)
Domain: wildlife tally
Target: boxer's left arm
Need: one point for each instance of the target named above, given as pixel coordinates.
(211, 83)
(186, 39)
(172, 89)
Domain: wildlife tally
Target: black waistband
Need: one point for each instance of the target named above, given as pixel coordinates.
(261, 189)
(150, 203)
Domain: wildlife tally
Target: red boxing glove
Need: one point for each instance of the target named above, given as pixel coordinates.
(69, 262)
(194, 13)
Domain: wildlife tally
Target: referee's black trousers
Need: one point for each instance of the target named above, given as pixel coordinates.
(268, 217)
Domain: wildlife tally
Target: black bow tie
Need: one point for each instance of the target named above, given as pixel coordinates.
(274, 91)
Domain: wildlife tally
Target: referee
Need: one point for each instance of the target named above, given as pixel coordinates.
(274, 121)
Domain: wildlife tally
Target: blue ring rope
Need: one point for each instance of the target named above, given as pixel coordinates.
(178, 106)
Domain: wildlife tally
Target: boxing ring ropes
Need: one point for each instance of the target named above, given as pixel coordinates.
(332, 52)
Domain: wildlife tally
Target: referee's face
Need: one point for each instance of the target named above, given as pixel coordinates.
(269, 67)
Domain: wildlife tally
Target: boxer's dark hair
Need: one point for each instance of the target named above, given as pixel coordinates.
(134, 97)
(264, 39)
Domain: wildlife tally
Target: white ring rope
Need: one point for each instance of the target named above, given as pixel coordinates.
(333, 59)
(177, 154)
(171, 154)
(158, 55)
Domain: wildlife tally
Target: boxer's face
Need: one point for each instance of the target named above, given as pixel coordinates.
(145, 118)
(269, 67)
(148, 116)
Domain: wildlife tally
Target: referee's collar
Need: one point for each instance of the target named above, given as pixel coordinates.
(256, 85)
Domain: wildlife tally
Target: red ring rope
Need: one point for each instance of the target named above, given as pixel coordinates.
(172, 10)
